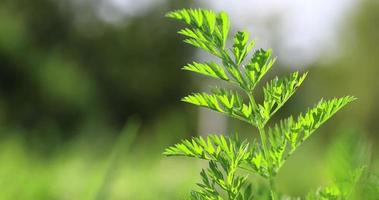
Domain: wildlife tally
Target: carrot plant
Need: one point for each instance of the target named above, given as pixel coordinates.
(231, 159)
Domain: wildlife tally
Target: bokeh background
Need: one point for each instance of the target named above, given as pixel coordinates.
(90, 90)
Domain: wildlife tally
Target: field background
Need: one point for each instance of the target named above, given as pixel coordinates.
(90, 90)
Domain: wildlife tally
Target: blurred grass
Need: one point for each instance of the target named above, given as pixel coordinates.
(127, 167)
(79, 171)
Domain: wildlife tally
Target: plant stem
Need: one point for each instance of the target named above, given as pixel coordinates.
(274, 196)
(262, 134)
(252, 100)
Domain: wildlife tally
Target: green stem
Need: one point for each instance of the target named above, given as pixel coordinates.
(273, 193)
(252, 100)
(262, 134)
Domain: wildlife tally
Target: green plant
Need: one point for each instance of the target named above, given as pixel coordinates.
(209, 31)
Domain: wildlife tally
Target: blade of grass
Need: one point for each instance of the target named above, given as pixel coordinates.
(120, 149)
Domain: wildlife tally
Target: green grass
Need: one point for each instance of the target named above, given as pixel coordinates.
(86, 167)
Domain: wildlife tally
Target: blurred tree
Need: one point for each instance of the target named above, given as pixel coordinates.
(60, 70)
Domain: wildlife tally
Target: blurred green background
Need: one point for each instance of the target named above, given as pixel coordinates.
(90, 90)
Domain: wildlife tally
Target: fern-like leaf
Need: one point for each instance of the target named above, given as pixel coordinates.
(277, 92)
(286, 136)
(208, 69)
(227, 102)
(257, 67)
(208, 30)
(241, 46)
(214, 147)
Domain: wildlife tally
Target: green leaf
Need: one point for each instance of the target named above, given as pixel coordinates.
(316, 116)
(193, 33)
(225, 155)
(227, 102)
(277, 92)
(258, 66)
(193, 17)
(208, 188)
(241, 47)
(214, 147)
(236, 75)
(205, 45)
(207, 69)
(215, 178)
(207, 30)
(204, 100)
(225, 26)
(210, 20)
(289, 134)
(259, 164)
